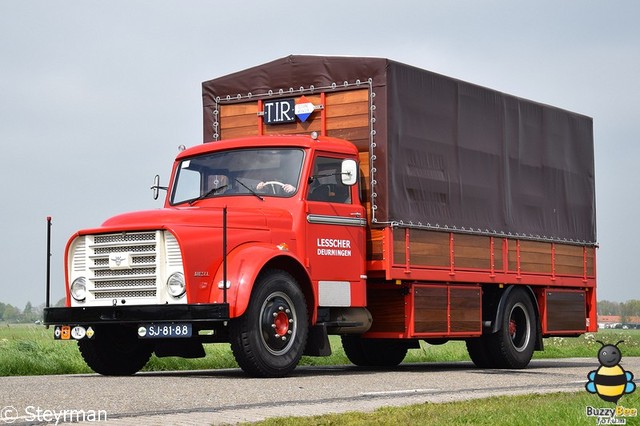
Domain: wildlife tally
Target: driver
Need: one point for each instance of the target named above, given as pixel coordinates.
(288, 188)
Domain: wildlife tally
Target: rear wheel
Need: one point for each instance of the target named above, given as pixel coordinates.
(374, 352)
(513, 345)
(269, 338)
(115, 351)
(479, 352)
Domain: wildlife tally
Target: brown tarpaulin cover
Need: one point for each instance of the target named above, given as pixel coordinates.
(451, 154)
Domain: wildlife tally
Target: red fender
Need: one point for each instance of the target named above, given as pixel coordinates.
(244, 264)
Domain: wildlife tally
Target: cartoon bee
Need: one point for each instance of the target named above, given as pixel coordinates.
(610, 381)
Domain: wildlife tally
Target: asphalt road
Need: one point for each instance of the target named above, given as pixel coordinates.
(228, 396)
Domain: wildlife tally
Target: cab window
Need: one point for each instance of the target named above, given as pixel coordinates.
(326, 183)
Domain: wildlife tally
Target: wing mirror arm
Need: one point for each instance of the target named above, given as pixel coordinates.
(156, 187)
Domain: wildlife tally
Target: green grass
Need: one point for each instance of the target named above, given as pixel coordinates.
(31, 350)
(536, 409)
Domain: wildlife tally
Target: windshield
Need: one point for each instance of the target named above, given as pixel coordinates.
(255, 172)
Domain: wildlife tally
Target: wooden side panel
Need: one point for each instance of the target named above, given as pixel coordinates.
(399, 246)
(569, 260)
(472, 251)
(591, 261)
(375, 244)
(428, 248)
(430, 309)
(565, 311)
(466, 310)
(446, 310)
(535, 257)
(387, 305)
(346, 117)
(239, 120)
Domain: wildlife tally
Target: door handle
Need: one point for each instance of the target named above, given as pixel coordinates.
(355, 214)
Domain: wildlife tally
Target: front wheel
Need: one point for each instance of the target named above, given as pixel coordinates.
(269, 338)
(115, 351)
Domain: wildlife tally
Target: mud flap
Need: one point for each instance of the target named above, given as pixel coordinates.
(318, 341)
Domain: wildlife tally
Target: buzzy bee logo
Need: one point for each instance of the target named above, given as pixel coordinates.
(610, 381)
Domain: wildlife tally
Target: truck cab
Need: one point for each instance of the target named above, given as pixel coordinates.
(278, 219)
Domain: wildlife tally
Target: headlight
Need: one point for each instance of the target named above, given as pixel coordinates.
(175, 285)
(79, 289)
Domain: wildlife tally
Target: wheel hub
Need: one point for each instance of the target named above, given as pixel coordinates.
(278, 324)
(519, 326)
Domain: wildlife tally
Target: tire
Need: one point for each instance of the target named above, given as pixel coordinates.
(269, 338)
(374, 352)
(115, 351)
(479, 352)
(513, 345)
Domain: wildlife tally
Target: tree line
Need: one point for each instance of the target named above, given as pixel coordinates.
(29, 314)
(630, 308)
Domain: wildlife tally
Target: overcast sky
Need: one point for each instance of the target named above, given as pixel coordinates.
(95, 97)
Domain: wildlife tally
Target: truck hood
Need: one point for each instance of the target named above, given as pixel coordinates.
(165, 218)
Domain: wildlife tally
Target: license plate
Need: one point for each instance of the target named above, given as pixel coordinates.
(164, 331)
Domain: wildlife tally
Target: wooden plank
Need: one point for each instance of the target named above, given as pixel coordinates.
(359, 136)
(348, 121)
(347, 96)
(245, 108)
(235, 121)
(238, 132)
(293, 128)
(345, 110)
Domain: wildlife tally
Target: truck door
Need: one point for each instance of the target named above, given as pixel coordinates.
(336, 236)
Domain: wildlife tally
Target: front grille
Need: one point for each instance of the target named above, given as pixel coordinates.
(135, 280)
(126, 267)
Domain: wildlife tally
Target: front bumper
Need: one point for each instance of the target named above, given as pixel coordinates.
(218, 312)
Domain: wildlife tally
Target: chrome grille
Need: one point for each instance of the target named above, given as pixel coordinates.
(137, 279)
(125, 294)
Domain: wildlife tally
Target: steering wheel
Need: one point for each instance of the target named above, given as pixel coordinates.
(274, 182)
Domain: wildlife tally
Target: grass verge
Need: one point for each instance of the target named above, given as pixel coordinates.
(31, 350)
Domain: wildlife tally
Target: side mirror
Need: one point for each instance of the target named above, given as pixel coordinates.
(156, 187)
(349, 172)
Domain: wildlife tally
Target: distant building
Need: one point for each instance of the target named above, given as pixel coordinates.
(615, 321)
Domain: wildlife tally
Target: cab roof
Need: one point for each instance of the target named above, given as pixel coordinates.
(299, 141)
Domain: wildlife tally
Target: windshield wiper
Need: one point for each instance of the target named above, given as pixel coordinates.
(260, 197)
(207, 194)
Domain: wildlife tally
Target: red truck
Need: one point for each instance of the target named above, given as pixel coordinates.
(360, 197)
